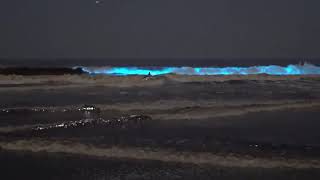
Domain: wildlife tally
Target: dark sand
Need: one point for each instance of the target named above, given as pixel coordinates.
(260, 128)
(63, 166)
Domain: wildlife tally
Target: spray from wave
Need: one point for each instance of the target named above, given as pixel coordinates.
(300, 69)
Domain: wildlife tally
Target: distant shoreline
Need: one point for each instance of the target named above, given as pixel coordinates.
(40, 71)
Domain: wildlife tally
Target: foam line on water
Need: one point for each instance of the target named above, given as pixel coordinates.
(163, 155)
(300, 69)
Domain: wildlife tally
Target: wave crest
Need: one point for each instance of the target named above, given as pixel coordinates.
(300, 69)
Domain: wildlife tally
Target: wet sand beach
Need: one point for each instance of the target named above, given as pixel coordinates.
(226, 127)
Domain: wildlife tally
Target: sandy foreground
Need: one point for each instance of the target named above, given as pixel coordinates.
(253, 122)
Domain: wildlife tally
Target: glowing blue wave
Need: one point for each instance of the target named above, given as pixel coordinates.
(305, 69)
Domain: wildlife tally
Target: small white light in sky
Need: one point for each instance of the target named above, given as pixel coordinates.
(97, 2)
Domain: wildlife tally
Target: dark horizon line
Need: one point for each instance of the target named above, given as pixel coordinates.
(192, 62)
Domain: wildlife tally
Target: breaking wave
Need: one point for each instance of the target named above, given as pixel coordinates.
(300, 69)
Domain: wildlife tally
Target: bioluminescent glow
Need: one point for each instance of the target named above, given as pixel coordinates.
(305, 69)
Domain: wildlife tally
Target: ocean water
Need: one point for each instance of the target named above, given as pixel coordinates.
(176, 66)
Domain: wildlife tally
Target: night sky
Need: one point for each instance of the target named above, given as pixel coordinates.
(212, 29)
